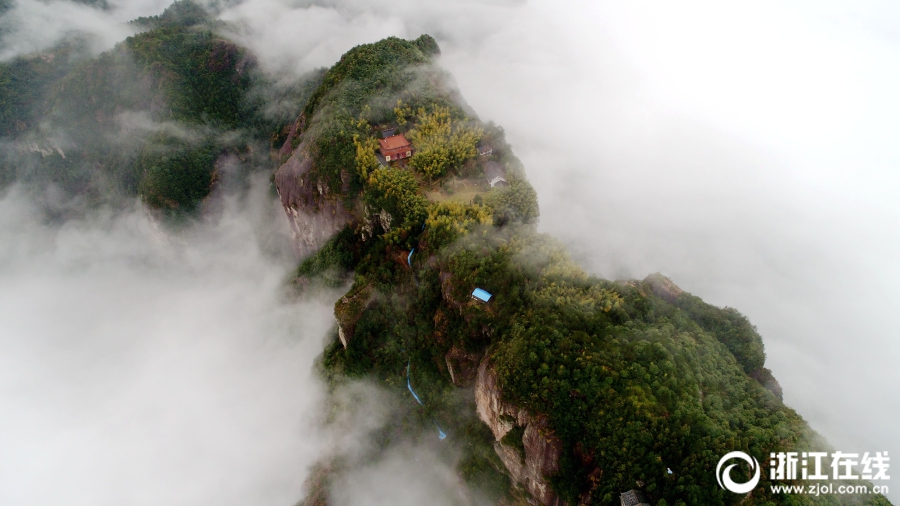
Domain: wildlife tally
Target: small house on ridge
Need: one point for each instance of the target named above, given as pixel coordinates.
(395, 147)
(481, 295)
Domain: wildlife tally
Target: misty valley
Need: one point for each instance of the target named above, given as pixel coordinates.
(367, 208)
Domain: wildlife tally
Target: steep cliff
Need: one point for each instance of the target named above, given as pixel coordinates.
(349, 309)
(534, 457)
(313, 212)
(561, 389)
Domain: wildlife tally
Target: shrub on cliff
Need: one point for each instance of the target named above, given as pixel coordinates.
(393, 194)
(518, 201)
(449, 220)
(175, 174)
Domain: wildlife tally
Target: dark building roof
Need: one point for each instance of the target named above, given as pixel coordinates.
(633, 498)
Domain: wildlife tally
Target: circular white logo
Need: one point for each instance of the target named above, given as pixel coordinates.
(724, 478)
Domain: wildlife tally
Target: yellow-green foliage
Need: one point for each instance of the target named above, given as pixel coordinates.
(402, 112)
(449, 220)
(365, 155)
(547, 255)
(518, 201)
(441, 142)
(365, 146)
(586, 299)
(431, 161)
(396, 192)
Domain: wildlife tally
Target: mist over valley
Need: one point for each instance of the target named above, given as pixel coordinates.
(469, 253)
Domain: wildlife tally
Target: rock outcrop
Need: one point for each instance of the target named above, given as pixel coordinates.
(462, 365)
(663, 287)
(540, 445)
(293, 133)
(349, 309)
(447, 290)
(764, 376)
(313, 214)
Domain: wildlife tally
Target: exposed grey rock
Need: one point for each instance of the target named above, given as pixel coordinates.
(542, 447)
(313, 214)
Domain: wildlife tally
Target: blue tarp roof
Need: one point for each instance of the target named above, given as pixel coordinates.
(481, 295)
(409, 386)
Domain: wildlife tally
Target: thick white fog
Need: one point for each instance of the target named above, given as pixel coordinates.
(145, 367)
(747, 152)
(141, 368)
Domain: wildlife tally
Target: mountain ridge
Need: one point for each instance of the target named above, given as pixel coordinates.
(562, 389)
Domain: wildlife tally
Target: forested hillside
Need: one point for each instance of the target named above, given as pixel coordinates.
(150, 117)
(562, 388)
(634, 379)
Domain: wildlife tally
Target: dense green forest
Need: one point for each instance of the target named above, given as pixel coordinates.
(633, 384)
(175, 95)
(643, 385)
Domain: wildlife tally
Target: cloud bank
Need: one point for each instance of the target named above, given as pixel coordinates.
(31, 26)
(142, 366)
(139, 367)
(748, 152)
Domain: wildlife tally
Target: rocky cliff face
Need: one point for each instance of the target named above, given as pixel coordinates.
(663, 287)
(313, 214)
(349, 309)
(462, 366)
(540, 445)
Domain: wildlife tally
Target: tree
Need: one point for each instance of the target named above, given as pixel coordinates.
(365, 155)
(441, 142)
(395, 192)
(175, 174)
(518, 201)
(449, 220)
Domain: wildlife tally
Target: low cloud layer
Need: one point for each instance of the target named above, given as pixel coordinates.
(32, 26)
(146, 367)
(138, 367)
(747, 152)
(404, 474)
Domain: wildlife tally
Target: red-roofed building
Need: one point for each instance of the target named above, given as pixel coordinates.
(395, 147)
